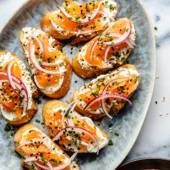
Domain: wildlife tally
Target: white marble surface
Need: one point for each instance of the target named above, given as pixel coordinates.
(154, 138)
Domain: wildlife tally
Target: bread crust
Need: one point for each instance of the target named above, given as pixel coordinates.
(47, 26)
(90, 70)
(62, 91)
(17, 140)
(30, 112)
(50, 105)
(115, 108)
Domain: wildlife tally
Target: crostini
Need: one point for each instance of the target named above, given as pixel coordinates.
(106, 51)
(107, 92)
(17, 90)
(38, 151)
(79, 21)
(50, 67)
(70, 130)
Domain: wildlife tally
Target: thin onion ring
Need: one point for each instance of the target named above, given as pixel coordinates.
(82, 21)
(123, 38)
(104, 92)
(99, 98)
(77, 129)
(36, 64)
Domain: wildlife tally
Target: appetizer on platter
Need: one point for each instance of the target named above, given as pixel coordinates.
(106, 51)
(70, 130)
(50, 67)
(17, 90)
(79, 21)
(38, 151)
(107, 92)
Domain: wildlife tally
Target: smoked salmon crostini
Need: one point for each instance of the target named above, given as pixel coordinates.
(38, 151)
(17, 90)
(50, 67)
(107, 92)
(79, 21)
(70, 130)
(106, 51)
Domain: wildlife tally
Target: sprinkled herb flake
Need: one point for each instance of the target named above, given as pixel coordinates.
(95, 93)
(110, 125)
(110, 142)
(38, 101)
(43, 159)
(111, 6)
(90, 84)
(135, 80)
(155, 28)
(37, 120)
(116, 133)
(50, 60)
(60, 110)
(80, 27)
(7, 127)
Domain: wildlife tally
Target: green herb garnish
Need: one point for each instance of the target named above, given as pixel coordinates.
(110, 142)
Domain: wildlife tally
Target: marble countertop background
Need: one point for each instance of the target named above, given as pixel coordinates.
(154, 138)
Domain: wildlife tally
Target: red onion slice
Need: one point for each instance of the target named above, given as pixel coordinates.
(59, 61)
(92, 49)
(122, 39)
(70, 121)
(79, 130)
(104, 92)
(78, 32)
(16, 79)
(30, 159)
(66, 163)
(36, 64)
(129, 43)
(105, 13)
(23, 92)
(16, 86)
(42, 166)
(50, 167)
(88, 32)
(106, 53)
(88, 18)
(40, 44)
(101, 97)
(41, 141)
(132, 42)
(10, 77)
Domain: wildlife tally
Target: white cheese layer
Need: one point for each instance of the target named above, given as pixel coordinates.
(105, 20)
(26, 39)
(120, 72)
(26, 79)
(113, 60)
(91, 147)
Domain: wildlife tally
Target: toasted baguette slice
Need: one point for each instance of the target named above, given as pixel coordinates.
(54, 79)
(95, 57)
(16, 95)
(78, 21)
(39, 151)
(57, 116)
(122, 81)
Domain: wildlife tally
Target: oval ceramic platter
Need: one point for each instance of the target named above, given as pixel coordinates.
(130, 119)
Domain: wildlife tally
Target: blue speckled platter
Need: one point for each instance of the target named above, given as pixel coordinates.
(130, 119)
